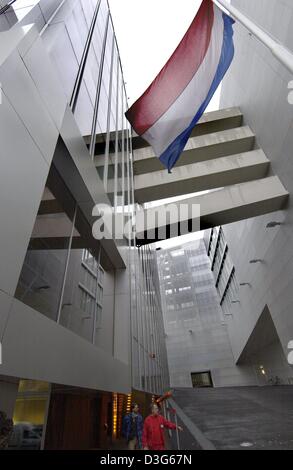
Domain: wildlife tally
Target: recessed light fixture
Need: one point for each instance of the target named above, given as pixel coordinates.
(246, 444)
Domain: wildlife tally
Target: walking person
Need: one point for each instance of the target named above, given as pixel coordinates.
(153, 437)
(133, 427)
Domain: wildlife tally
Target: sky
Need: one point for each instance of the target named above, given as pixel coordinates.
(148, 32)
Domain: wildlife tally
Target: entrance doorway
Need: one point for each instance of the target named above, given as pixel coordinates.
(202, 379)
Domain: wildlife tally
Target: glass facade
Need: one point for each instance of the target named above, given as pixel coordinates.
(29, 415)
(149, 364)
(62, 275)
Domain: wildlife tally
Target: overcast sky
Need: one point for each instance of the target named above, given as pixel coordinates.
(148, 31)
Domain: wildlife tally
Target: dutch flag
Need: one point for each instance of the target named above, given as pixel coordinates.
(173, 104)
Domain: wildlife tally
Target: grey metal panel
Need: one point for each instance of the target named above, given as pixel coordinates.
(48, 7)
(22, 180)
(37, 348)
(28, 113)
(31, 14)
(84, 182)
(46, 81)
(24, 97)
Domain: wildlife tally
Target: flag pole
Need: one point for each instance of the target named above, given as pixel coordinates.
(280, 52)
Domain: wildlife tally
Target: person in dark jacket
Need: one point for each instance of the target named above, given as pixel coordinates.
(153, 431)
(133, 427)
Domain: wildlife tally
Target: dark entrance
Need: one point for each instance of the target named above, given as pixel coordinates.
(201, 379)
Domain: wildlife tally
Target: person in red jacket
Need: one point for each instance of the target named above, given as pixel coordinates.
(153, 431)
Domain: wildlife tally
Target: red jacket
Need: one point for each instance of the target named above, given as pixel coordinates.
(153, 432)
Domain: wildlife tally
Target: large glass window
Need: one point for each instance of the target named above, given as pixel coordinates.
(29, 415)
(62, 276)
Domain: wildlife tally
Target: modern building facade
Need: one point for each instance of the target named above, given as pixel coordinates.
(263, 351)
(227, 169)
(80, 325)
(81, 317)
(198, 344)
(260, 324)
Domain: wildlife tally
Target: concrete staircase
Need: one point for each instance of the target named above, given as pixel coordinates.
(221, 159)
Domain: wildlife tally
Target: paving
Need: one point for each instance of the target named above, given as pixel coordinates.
(248, 418)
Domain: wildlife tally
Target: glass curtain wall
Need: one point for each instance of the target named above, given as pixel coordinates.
(149, 364)
(62, 276)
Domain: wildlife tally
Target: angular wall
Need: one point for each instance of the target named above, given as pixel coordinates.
(258, 83)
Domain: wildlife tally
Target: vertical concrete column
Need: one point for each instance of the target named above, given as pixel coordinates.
(8, 394)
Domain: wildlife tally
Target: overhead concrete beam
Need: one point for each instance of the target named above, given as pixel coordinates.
(198, 149)
(214, 121)
(220, 207)
(53, 226)
(201, 176)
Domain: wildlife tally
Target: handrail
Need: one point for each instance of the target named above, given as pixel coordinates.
(279, 51)
(6, 7)
(79, 78)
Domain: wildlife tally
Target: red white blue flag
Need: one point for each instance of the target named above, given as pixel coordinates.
(173, 104)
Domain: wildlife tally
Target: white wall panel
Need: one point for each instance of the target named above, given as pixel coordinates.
(25, 99)
(22, 179)
(62, 357)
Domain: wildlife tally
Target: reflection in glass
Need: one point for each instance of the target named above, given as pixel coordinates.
(29, 415)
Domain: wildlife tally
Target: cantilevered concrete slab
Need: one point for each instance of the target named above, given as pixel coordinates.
(214, 121)
(198, 149)
(224, 206)
(201, 176)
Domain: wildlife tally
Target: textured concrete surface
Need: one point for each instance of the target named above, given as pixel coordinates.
(229, 417)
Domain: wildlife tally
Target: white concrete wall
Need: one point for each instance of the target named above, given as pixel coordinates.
(197, 337)
(259, 85)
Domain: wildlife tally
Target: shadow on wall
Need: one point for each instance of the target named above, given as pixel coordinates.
(264, 352)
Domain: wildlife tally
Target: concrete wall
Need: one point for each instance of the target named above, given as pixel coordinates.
(196, 336)
(259, 85)
(8, 394)
(272, 361)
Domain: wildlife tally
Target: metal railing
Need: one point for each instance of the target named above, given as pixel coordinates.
(6, 7)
